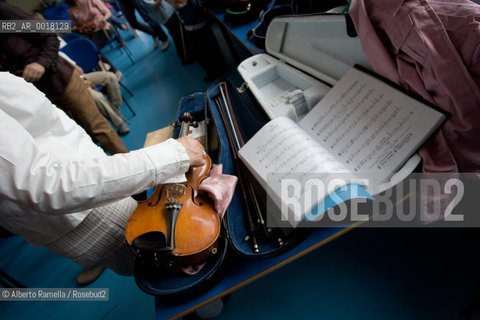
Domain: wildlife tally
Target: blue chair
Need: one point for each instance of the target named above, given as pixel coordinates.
(71, 36)
(57, 12)
(85, 54)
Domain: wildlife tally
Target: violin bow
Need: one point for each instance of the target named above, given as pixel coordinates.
(233, 122)
(240, 143)
(251, 228)
(232, 126)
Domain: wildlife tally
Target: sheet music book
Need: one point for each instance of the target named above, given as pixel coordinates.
(363, 128)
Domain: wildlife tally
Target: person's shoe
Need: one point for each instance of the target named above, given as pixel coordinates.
(123, 129)
(87, 276)
(165, 45)
(156, 41)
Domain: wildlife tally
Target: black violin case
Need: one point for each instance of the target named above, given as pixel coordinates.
(176, 286)
(329, 47)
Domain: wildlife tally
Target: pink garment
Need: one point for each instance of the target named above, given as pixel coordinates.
(89, 12)
(220, 187)
(431, 48)
(194, 268)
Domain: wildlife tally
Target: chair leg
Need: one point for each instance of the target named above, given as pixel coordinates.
(9, 282)
(129, 54)
(129, 108)
(101, 64)
(126, 89)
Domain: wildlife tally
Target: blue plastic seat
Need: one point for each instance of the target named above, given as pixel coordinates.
(83, 52)
(71, 36)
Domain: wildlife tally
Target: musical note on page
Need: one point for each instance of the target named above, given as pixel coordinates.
(286, 148)
(368, 125)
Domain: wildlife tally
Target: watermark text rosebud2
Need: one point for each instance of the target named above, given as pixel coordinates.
(418, 200)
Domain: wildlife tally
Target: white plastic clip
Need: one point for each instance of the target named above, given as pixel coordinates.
(243, 87)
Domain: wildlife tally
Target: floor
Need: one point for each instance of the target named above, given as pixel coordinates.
(366, 274)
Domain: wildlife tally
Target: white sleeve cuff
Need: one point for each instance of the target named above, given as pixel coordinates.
(170, 160)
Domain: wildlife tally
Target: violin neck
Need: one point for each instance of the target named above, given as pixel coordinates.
(184, 129)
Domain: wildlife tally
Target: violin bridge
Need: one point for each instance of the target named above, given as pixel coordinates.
(175, 193)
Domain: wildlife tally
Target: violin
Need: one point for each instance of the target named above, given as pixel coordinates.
(176, 226)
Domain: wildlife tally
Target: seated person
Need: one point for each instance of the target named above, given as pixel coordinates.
(116, 24)
(34, 56)
(108, 108)
(90, 18)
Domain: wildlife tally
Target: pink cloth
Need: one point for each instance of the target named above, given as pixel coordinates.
(89, 12)
(432, 49)
(220, 187)
(194, 268)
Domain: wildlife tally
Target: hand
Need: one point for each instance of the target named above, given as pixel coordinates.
(33, 72)
(194, 150)
(102, 23)
(87, 82)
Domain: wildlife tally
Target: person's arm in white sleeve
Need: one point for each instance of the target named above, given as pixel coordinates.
(53, 183)
(42, 181)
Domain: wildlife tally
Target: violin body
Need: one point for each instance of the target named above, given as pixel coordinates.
(175, 227)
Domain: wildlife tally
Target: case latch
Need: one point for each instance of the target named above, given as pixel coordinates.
(243, 87)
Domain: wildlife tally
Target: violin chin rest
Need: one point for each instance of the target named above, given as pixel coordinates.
(150, 241)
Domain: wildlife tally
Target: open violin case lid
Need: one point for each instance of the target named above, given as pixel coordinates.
(306, 56)
(308, 53)
(304, 52)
